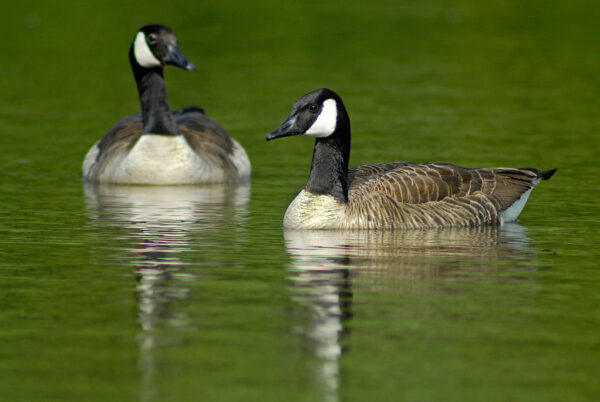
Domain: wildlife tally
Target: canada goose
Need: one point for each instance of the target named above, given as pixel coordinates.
(163, 146)
(396, 195)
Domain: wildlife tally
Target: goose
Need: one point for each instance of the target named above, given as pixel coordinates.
(395, 195)
(163, 146)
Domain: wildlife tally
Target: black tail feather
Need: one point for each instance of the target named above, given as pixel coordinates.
(546, 174)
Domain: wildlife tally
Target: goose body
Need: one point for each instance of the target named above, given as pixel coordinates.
(161, 145)
(396, 195)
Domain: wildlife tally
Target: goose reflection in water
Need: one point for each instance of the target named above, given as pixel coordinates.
(326, 265)
(162, 223)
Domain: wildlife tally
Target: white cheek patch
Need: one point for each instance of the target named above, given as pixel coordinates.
(325, 124)
(142, 52)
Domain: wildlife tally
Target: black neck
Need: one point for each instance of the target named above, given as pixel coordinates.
(156, 112)
(329, 169)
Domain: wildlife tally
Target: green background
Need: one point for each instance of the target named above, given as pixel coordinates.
(178, 294)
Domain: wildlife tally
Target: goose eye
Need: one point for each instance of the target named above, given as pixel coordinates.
(152, 38)
(314, 108)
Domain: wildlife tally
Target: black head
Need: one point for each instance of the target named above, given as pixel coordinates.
(319, 114)
(155, 46)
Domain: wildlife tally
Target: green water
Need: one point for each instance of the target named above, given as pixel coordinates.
(196, 293)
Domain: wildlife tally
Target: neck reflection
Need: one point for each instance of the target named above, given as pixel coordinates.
(326, 265)
(161, 225)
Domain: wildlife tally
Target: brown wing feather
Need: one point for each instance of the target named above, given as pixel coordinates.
(204, 135)
(118, 140)
(207, 138)
(380, 211)
(122, 136)
(407, 194)
(510, 184)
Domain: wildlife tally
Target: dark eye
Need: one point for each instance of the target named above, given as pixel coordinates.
(152, 38)
(313, 107)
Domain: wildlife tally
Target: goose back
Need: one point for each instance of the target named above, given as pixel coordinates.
(419, 183)
(411, 195)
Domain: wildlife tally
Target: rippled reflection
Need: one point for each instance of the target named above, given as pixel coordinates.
(162, 223)
(325, 264)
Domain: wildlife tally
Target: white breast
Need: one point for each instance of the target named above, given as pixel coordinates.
(161, 159)
(312, 211)
(240, 159)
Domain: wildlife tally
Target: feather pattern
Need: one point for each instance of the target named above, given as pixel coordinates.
(394, 195)
(406, 195)
(217, 151)
(411, 195)
(161, 145)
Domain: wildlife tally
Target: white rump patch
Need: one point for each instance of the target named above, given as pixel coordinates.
(511, 213)
(325, 124)
(142, 52)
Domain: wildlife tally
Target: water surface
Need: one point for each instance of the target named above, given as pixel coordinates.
(188, 293)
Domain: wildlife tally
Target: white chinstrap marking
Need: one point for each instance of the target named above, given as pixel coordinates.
(325, 124)
(142, 52)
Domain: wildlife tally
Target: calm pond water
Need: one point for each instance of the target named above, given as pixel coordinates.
(196, 293)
